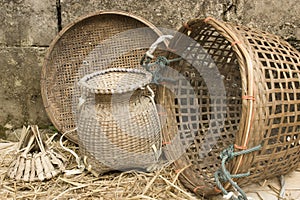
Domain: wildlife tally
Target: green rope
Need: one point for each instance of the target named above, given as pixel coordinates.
(223, 175)
(161, 63)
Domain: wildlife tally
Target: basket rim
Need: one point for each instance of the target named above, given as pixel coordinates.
(85, 86)
(47, 105)
(249, 64)
(245, 62)
(246, 70)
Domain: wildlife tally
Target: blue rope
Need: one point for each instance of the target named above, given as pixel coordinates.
(223, 175)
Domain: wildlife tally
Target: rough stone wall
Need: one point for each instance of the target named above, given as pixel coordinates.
(26, 29)
(278, 17)
(28, 26)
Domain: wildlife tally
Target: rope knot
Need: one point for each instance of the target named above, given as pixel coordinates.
(223, 175)
(156, 68)
(162, 61)
(227, 153)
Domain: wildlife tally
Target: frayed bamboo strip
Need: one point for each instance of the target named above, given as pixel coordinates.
(59, 156)
(38, 138)
(50, 166)
(32, 170)
(29, 146)
(45, 166)
(14, 172)
(21, 168)
(56, 159)
(23, 136)
(39, 167)
(43, 163)
(27, 168)
(53, 171)
(12, 169)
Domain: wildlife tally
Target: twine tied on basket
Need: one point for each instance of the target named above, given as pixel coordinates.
(223, 175)
(80, 165)
(152, 48)
(160, 64)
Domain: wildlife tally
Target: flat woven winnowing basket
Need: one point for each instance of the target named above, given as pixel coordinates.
(100, 40)
(246, 88)
(118, 126)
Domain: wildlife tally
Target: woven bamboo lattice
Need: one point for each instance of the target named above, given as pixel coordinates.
(118, 124)
(260, 104)
(105, 39)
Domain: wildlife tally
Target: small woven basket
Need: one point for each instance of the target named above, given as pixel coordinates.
(118, 125)
(259, 107)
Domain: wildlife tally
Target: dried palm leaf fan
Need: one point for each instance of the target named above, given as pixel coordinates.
(254, 124)
(79, 50)
(35, 160)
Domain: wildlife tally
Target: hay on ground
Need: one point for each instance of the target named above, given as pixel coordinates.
(161, 184)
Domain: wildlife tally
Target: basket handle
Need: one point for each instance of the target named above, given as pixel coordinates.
(81, 102)
(156, 151)
(152, 48)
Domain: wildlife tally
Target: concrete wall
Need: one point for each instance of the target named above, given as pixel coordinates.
(26, 30)
(28, 26)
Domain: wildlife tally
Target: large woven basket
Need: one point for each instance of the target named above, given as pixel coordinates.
(118, 125)
(257, 106)
(105, 39)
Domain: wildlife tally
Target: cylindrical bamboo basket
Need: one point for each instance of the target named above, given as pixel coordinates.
(259, 107)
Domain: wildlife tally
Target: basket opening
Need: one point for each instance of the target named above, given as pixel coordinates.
(115, 81)
(270, 74)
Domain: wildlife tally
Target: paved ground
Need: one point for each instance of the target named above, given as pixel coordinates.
(270, 189)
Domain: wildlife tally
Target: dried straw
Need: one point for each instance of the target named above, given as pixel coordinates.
(160, 184)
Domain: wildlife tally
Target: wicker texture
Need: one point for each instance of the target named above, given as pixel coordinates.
(115, 81)
(91, 43)
(261, 76)
(118, 126)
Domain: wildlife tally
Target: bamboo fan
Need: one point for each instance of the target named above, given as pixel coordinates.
(35, 160)
(97, 41)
